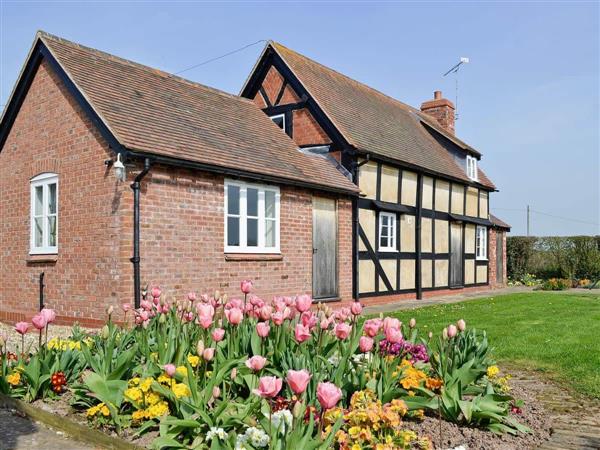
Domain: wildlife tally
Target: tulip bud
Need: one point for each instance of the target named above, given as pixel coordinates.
(445, 333)
(298, 410)
(208, 354)
(110, 310)
(225, 298)
(200, 347)
(216, 392)
(462, 325)
(217, 294)
(452, 331)
(234, 373)
(162, 319)
(430, 334)
(105, 332)
(2, 342)
(412, 323)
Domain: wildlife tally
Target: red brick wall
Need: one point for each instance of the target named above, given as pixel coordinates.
(492, 272)
(52, 134)
(183, 233)
(306, 129)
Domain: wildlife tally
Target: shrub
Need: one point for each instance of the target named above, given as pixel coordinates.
(556, 284)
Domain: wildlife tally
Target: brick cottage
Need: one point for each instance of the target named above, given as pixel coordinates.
(114, 176)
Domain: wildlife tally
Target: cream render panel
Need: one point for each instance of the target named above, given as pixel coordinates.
(407, 274)
(441, 272)
(483, 205)
(366, 270)
(442, 195)
(409, 188)
(389, 184)
(367, 179)
(482, 272)
(407, 233)
(427, 193)
(389, 267)
(426, 273)
(470, 238)
(441, 236)
(366, 219)
(472, 202)
(469, 271)
(458, 199)
(426, 234)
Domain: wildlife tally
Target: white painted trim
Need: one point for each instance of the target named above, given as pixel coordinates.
(393, 221)
(481, 239)
(43, 180)
(277, 116)
(261, 248)
(472, 168)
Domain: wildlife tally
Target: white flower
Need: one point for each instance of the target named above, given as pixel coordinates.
(460, 447)
(334, 359)
(284, 415)
(257, 437)
(218, 432)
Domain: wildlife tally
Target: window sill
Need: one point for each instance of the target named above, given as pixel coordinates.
(253, 257)
(42, 258)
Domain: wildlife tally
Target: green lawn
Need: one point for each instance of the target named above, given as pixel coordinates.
(558, 333)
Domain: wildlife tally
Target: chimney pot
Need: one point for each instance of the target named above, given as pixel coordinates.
(437, 95)
(440, 109)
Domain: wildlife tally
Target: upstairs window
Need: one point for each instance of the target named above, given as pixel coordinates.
(472, 167)
(279, 120)
(44, 214)
(387, 232)
(251, 218)
(481, 243)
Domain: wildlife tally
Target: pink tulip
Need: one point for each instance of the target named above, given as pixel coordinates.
(126, 307)
(301, 333)
(452, 330)
(268, 387)
(277, 318)
(48, 314)
(205, 321)
(412, 323)
(372, 327)
(303, 302)
(262, 328)
(308, 319)
(218, 334)
(146, 305)
(462, 325)
(265, 312)
(328, 395)
(342, 330)
(155, 292)
(391, 322)
(324, 325)
(256, 363)
(393, 335)
(246, 286)
(205, 310)
(365, 344)
(208, 354)
(356, 308)
(22, 327)
(39, 321)
(234, 316)
(192, 296)
(298, 380)
(170, 369)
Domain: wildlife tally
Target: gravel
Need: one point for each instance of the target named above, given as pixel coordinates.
(32, 337)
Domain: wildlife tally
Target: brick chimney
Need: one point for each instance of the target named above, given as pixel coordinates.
(441, 109)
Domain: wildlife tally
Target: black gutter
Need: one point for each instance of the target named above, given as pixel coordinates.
(135, 186)
(169, 161)
(418, 281)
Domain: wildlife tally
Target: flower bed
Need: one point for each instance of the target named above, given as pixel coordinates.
(210, 372)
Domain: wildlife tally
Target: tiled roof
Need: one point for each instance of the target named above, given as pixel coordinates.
(498, 222)
(374, 122)
(151, 111)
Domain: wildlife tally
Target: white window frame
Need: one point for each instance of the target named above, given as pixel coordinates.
(277, 116)
(481, 238)
(44, 180)
(472, 167)
(243, 216)
(393, 221)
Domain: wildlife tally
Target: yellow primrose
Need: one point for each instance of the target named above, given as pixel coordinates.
(133, 394)
(193, 360)
(14, 379)
(181, 370)
(181, 390)
(145, 384)
(492, 371)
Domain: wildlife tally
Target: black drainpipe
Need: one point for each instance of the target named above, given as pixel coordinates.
(418, 236)
(135, 186)
(41, 291)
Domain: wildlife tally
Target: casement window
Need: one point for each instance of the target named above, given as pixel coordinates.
(251, 218)
(387, 232)
(481, 243)
(279, 120)
(44, 214)
(472, 167)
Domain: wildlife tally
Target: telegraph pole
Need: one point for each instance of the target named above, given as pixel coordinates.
(527, 220)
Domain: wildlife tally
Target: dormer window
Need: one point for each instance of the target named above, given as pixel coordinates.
(279, 120)
(472, 167)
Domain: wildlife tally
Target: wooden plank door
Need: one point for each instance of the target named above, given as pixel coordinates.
(456, 254)
(324, 248)
(499, 257)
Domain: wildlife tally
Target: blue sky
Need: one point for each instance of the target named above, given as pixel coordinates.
(528, 100)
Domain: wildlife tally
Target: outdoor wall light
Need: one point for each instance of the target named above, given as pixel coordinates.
(119, 167)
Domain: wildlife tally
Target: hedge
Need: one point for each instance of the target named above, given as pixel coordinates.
(572, 257)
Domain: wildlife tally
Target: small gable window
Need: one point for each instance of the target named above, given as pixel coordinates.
(481, 243)
(472, 167)
(387, 232)
(279, 120)
(251, 218)
(44, 214)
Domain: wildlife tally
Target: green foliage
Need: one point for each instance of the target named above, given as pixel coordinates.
(555, 284)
